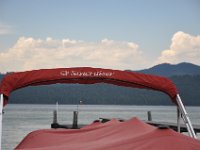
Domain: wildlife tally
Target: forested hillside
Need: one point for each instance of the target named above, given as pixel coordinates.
(169, 70)
(189, 87)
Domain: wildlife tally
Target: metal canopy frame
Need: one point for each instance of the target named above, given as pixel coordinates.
(1, 117)
(181, 111)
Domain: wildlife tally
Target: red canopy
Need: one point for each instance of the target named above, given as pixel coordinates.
(132, 134)
(86, 75)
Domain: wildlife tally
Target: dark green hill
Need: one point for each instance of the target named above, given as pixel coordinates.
(188, 86)
(169, 70)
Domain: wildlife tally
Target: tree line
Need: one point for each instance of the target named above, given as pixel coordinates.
(188, 86)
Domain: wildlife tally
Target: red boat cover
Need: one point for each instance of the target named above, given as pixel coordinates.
(113, 135)
(85, 75)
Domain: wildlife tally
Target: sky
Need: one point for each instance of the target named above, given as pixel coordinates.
(115, 34)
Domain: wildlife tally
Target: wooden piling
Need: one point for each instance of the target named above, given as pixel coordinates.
(149, 115)
(75, 120)
(55, 124)
(55, 117)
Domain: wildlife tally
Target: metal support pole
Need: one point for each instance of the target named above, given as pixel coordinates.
(1, 116)
(186, 118)
(178, 120)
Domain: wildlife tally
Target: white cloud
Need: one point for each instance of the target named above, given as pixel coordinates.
(184, 48)
(5, 29)
(30, 53)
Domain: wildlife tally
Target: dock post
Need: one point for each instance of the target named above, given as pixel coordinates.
(75, 120)
(55, 120)
(55, 124)
(149, 115)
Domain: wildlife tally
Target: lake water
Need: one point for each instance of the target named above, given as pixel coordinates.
(19, 120)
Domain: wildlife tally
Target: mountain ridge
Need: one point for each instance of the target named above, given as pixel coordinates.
(168, 70)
